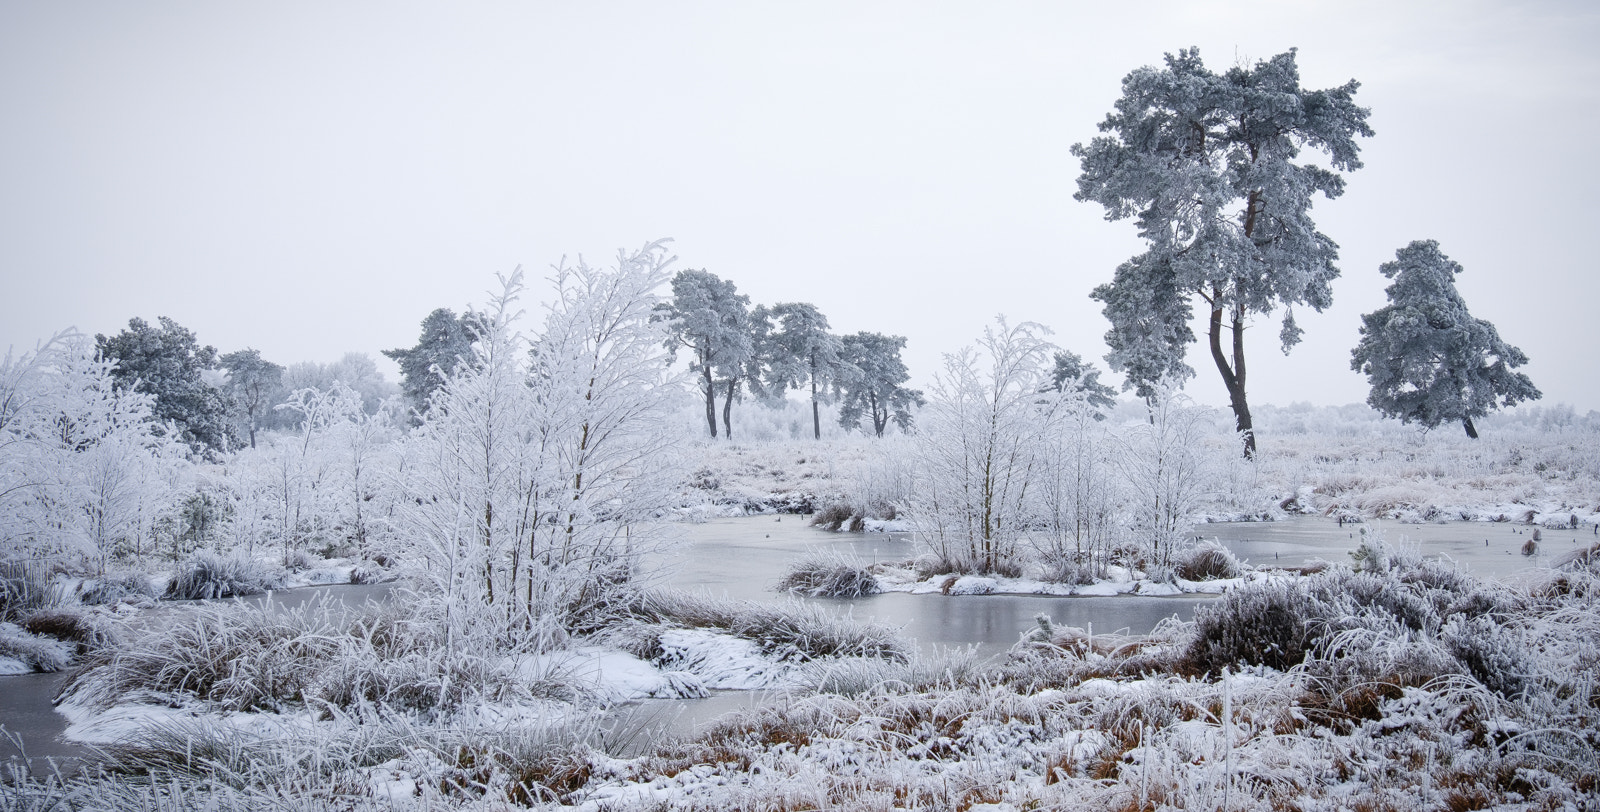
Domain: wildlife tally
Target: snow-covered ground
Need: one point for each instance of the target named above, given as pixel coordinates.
(1461, 694)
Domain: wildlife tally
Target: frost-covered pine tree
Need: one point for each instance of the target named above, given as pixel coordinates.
(801, 351)
(1206, 164)
(444, 344)
(710, 317)
(253, 382)
(169, 363)
(873, 385)
(1428, 360)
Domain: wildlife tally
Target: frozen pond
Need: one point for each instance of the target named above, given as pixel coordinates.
(1485, 549)
(743, 558)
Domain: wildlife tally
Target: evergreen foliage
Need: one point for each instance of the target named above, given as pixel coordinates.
(254, 383)
(167, 363)
(1206, 165)
(708, 315)
(873, 385)
(801, 352)
(444, 345)
(1428, 360)
(1075, 375)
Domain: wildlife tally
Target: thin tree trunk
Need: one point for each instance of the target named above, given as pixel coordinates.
(816, 414)
(1233, 375)
(710, 389)
(727, 409)
(1471, 430)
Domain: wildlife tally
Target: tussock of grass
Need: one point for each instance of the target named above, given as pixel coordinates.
(38, 653)
(84, 629)
(24, 589)
(239, 657)
(235, 656)
(115, 588)
(800, 629)
(1208, 561)
(824, 576)
(207, 575)
(833, 517)
(1070, 568)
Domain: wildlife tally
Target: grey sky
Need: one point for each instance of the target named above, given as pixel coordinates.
(312, 178)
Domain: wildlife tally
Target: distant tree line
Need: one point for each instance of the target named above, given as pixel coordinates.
(768, 351)
(214, 402)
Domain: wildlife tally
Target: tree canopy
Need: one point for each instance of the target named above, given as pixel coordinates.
(444, 344)
(254, 383)
(1428, 360)
(801, 351)
(708, 316)
(1206, 164)
(167, 362)
(873, 385)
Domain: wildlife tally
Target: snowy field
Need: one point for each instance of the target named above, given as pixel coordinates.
(1324, 690)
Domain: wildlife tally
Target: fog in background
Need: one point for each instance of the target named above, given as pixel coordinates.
(313, 178)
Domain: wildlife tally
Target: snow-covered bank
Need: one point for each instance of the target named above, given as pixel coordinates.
(1119, 581)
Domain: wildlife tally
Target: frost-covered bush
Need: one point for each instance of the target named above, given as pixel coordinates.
(207, 575)
(1266, 623)
(23, 589)
(38, 653)
(235, 656)
(796, 629)
(114, 588)
(828, 577)
(1207, 561)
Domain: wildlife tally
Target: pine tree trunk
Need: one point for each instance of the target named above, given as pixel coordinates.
(1233, 375)
(816, 414)
(1471, 430)
(727, 409)
(711, 392)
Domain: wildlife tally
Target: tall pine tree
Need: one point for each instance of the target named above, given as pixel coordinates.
(1206, 164)
(1428, 360)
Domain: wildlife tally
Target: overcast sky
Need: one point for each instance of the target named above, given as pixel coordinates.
(312, 178)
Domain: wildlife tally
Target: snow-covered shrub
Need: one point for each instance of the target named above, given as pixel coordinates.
(207, 575)
(23, 589)
(825, 576)
(1265, 623)
(86, 629)
(541, 486)
(1207, 561)
(798, 629)
(978, 451)
(1167, 470)
(119, 587)
(38, 653)
(235, 656)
